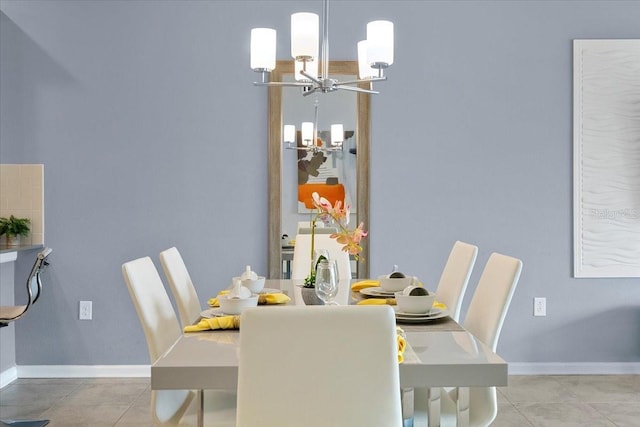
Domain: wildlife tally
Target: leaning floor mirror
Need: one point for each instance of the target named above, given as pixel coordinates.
(291, 170)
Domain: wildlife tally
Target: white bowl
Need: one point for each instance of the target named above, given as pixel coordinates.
(254, 286)
(236, 305)
(415, 304)
(394, 284)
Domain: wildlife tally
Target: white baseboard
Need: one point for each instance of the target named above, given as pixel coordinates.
(622, 368)
(144, 371)
(84, 371)
(8, 376)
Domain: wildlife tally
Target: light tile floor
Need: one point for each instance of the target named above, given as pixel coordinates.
(528, 401)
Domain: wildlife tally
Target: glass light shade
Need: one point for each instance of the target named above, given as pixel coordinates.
(337, 134)
(307, 133)
(364, 66)
(380, 38)
(263, 49)
(312, 69)
(289, 133)
(305, 34)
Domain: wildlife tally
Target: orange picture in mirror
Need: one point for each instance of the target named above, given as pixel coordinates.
(331, 192)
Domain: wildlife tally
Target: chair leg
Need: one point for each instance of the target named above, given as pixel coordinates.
(433, 406)
(462, 407)
(200, 410)
(427, 407)
(406, 397)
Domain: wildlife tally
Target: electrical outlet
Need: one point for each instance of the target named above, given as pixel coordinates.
(539, 306)
(86, 310)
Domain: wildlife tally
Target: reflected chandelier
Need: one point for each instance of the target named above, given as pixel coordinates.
(374, 54)
(309, 136)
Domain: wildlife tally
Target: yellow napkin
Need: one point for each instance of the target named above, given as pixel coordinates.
(273, 299)
(402, 344)
(277, 298)
(440, 305)
(223, 322)
(377, 301)
(358, 286)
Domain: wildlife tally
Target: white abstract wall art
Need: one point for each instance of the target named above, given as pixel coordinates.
(606, 150)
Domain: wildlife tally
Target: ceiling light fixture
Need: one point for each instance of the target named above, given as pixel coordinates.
(309, 136)
(374, 54)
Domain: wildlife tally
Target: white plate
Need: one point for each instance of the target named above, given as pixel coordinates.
(377, 292)
(431, 313)
(212, 312)
(413, 318)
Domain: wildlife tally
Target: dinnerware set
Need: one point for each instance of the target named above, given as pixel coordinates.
(251, 280)
(413, 303)
(243, 293)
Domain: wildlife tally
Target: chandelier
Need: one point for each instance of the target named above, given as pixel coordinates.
(374, 54)
(309, 140)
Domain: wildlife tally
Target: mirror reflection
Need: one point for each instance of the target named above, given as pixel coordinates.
(292, 173)
(331, 173)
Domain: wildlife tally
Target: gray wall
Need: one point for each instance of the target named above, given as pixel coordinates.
(152, 136)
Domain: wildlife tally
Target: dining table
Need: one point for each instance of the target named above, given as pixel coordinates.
(438, 354)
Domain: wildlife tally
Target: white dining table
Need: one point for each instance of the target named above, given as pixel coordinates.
(437, 355)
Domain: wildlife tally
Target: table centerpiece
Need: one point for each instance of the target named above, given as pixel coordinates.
(349, 238)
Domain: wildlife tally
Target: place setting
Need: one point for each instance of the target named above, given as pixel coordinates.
(247, 290)
(411, 301)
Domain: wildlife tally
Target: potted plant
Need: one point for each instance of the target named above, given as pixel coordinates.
(13, 228)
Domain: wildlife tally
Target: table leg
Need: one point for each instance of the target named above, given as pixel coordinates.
(462, 407)
(200, 411)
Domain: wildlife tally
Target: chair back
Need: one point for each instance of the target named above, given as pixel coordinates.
(161, 329)
(301, 264)
(318, 366)
(492, 298)
(181, 286)
(455, 277)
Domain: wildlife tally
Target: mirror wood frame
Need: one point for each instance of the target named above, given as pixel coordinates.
(274, 168)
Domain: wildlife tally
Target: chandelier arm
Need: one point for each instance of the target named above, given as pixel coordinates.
(357, 89)
(310, 77)
(314, 149)
(310, 91)
(283, 84)
(358, 81)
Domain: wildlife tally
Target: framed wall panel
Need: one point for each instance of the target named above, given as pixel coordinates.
(606, 141)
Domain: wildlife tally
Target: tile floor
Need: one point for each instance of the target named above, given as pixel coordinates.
(529, 401)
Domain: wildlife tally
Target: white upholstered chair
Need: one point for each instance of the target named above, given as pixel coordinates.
(453, 285)
(318, 366)
(301, 264)
(161, 329)
(455, 277)
(484, 319)
(181, 286)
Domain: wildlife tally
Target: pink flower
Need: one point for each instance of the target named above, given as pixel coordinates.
(349, 238)
(320, 202)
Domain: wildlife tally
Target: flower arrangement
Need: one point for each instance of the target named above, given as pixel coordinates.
(339, 216)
